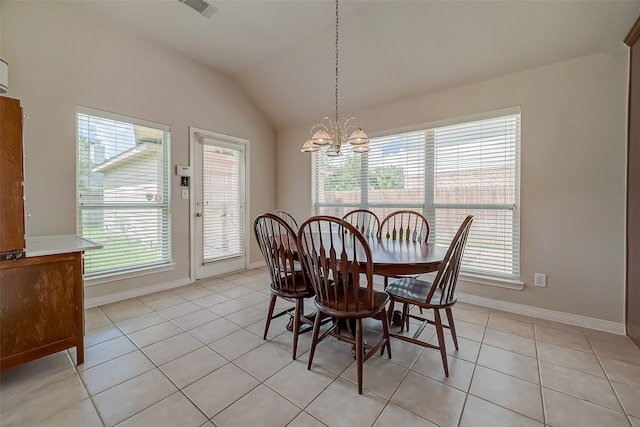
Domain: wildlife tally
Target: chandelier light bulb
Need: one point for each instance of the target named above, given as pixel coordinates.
(364, 148)
(309, 147)
(321, 137)
(358, 137)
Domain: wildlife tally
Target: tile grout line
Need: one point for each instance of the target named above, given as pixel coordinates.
(624, 411)
(93, 403)
(473, 372)
(542, 399)
(387, 402)
(475, 363)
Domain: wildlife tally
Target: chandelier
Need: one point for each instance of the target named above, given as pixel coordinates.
(328, 133)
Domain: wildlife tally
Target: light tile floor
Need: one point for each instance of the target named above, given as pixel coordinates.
(195, 356)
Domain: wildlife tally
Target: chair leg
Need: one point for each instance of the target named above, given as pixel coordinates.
(359, 353)
(452, 327)
(390, 313)
(385, 331)
(272, 305)
(386, 281)
(314, 338)
(441, 344)
(296, 325)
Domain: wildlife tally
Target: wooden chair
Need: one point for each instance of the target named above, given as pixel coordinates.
(404, 225)
(277, 242)
(287, 217)
(438, 295)
(338, 261)
(364, 220)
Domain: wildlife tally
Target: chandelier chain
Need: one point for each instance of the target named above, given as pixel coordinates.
(337, 63)
(332, 134)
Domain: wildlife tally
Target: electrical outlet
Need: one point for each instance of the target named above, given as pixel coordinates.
(540, 280)
(185, 193)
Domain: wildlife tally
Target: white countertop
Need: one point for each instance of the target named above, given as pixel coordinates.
(60, 244)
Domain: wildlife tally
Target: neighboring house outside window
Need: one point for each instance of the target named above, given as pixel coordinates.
(444, 172)
(122, 191)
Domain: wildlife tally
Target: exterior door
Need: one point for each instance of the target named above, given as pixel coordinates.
(220, 205)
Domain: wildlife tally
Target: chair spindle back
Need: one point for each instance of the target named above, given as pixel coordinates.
(287, 217)
(336, 257)
(277, 241)
(447, 277)
(405, 225)
(365, 221)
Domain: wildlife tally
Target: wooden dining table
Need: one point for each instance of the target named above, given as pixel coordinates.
(401, 257)
(398, 257)
(391, 257)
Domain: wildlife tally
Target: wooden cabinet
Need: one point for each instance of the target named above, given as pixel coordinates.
(11, 177)
(41, 307)
(41, 297)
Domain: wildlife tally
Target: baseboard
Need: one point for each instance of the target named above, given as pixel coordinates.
(543, 313)
(132, 293)
(526, 310)
(119, 296)
(256, 264)
(634, 334)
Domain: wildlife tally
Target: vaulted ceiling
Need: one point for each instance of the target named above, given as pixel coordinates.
(282, 53)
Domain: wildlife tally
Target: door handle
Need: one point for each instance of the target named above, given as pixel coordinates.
(199, 214)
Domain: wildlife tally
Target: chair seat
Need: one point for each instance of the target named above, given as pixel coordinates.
(295, 287)
(416, 291)
(354, 308)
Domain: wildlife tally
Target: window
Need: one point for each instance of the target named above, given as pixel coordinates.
(122, 191)
(444, 172)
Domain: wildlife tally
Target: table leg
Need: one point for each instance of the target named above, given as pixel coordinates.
(396, 318)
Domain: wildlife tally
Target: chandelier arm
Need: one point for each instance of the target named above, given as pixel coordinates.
(314, 129)
(326, 127)
(347, 128)
(351, 122)
(322, 125)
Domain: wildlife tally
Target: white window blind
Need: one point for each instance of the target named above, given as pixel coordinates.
(476, 171)
(122, 191)
(444, 172)
(222, 200)
(390, 176)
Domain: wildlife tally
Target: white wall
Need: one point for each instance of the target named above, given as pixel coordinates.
(61, 56)
(572, 181)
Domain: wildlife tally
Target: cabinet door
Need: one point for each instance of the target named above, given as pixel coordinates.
(38, 304)
(11, 176)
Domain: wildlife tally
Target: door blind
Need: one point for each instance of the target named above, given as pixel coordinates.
(222, 201)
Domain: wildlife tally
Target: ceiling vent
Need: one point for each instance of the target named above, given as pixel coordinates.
(203, 7)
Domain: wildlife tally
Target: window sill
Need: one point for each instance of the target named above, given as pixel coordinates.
(113, 277)
(477, 279)
(513, 284)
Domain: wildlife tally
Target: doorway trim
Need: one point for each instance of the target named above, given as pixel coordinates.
(195, 133)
